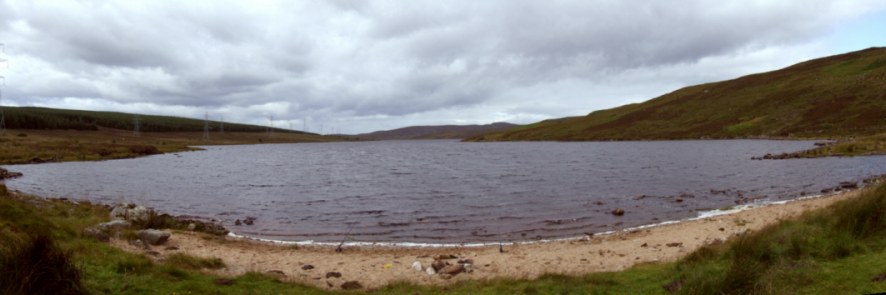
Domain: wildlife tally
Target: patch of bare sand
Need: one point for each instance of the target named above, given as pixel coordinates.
(374, 267)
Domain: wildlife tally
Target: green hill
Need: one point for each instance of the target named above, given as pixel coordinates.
(60, 119)
(835, 96)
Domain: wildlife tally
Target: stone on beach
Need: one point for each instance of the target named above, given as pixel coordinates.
(452, 269)
(430, 270)
(618, 212)
(153, 236)
(417, 266)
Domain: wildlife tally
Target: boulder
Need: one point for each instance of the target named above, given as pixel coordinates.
(333, 274)
(114, 225)
(417, 266)
(848, 185)
(131, 213)
(468, 267)
(153, 236)
(438, 265)
(452, 269)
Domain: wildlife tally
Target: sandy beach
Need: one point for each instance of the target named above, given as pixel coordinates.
(376, 266)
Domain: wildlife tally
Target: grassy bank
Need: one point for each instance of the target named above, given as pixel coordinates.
(836, 250)
(37, 146)
(845, 147)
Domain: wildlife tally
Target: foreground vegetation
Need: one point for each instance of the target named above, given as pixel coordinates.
(839, 96)
(841, 249)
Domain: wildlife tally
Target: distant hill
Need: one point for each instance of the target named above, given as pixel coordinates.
(839, 95)
(61, 119)
(435, 132)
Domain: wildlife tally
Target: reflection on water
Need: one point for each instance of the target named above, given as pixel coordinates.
(446, 191)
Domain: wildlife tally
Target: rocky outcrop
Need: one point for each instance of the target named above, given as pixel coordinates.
(132, 213)
(443, 268)
(6, 174)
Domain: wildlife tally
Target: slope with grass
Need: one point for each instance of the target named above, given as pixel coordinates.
(436, 132)
(38, 135)
(62, 119)
(836, 96)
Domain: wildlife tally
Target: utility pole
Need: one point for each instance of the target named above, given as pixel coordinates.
(206, 127)
(136, 127)
(2, 83)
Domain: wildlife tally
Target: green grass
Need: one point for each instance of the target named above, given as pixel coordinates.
(817, 253)
(192, 262)
(837, 96)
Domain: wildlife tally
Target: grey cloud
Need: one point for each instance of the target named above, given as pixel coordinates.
(343, 60)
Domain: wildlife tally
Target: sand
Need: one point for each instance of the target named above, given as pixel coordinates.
(375, 266)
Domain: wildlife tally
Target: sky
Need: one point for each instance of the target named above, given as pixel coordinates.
(338, 66)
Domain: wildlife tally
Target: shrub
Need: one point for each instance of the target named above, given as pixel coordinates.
(36, 265)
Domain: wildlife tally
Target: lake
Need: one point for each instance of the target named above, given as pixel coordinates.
(447, 191)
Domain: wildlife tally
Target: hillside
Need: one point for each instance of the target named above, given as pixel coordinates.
(37, 135)
(60, 119)
(835, 96)
(436, 132)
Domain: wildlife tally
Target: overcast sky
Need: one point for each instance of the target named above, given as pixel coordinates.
(359, 66)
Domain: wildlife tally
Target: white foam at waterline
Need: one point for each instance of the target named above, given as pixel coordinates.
(701, 215)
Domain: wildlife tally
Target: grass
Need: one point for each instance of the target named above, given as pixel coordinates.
(192, 262)
(839, 96)
(834, 250)
(817, 253)
(37, 146)
(848, 147)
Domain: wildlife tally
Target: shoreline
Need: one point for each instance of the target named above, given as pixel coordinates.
(407, 244)
(375, 266)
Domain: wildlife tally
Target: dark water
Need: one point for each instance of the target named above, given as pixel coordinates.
(445, 191)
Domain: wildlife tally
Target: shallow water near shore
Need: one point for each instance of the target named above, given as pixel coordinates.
(447, 192)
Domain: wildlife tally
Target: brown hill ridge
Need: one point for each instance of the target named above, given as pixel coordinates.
(436, 132)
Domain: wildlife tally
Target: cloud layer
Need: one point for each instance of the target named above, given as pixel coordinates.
(358, 66)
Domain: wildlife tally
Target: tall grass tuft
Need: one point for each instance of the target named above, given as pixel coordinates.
(36, 265)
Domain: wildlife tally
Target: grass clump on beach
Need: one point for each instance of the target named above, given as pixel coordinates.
(193, 262)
